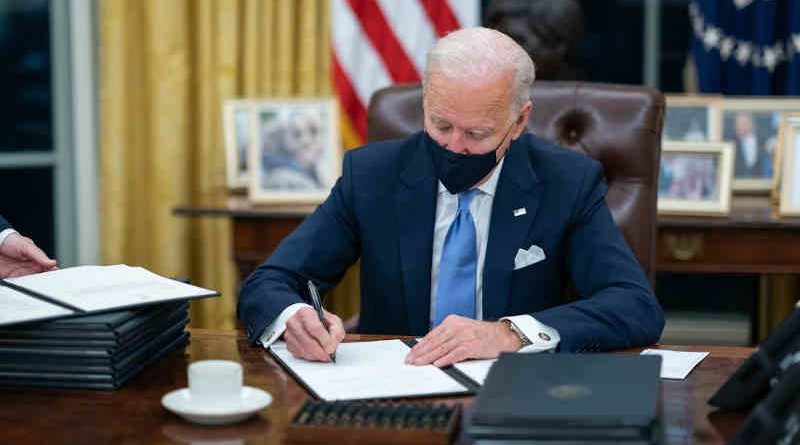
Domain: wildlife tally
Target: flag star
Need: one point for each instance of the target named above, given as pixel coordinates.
(697, 26)
(756, 59)
(711, 37)
(741, 4)
(743, 51)
(796, 40)
(778, 48)
(770, 58)
(726, 47)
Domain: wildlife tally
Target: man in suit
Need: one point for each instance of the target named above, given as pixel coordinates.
(749, 157)
(467, 232)
(19, 255)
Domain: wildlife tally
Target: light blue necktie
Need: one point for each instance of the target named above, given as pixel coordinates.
(455, 291)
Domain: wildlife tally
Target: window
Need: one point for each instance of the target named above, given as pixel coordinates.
(46, 51)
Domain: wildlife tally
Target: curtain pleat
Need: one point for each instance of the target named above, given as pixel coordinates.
(166, 69)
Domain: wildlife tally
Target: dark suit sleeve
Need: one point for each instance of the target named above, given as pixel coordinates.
(4, 224)
(325, 244)
(617, 307)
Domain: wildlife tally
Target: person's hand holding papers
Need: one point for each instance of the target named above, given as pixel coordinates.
(308, 339)
(459, 338)
(20, 256)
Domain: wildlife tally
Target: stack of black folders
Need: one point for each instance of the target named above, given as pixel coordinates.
(569, 398)
(91, 326)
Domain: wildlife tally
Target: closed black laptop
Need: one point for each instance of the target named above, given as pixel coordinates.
(569, 397)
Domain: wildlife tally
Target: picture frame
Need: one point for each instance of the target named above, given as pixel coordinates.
(692, 118)
(236, 119)
(295, 151)
(789, 154)
(752, 124)
(695, 178)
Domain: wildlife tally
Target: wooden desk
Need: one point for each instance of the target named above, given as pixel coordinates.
(134, 414)
(750, 240)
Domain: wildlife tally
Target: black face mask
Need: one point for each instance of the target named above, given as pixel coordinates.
(457, 171)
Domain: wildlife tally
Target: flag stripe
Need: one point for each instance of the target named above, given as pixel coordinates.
(412, 28)
(379, 42)
(350, 102)
(467, 12)
(441, 16)
(357, 58)
(374, 24)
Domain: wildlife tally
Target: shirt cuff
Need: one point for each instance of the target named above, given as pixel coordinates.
(4, 234)
(543, 338)
(275, 330)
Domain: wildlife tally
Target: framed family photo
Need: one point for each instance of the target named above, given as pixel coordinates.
(789, 152)
(692, 118)
(695, 178)
(752, 125)
(236, 121)
(295, 155)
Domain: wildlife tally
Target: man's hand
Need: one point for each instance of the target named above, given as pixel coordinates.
(459, 338)
(306, 338)
(19, 256)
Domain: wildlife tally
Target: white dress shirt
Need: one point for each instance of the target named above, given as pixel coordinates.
(750, 151)
(4, 234)
(542, 337)
(481, 210)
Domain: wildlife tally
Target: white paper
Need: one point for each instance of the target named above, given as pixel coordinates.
(477, 370)
(369, 370)
(16, 307)
(92, 288)
(676, 364)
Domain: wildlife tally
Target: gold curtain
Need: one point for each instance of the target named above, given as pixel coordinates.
(166, 68)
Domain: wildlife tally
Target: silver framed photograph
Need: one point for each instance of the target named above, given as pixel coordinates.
(295, 155)
(789, 152)
(236, 119)
(752, 125)
(695, 178)
(692, 118)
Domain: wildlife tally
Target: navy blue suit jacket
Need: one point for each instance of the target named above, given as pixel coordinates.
(382, 211)
(4, 224)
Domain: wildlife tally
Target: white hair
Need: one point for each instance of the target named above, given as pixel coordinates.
(480, 53)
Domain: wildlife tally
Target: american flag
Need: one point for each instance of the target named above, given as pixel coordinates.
(377, 43)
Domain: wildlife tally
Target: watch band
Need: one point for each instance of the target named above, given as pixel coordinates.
(523, 339)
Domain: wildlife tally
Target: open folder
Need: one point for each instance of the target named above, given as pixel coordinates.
(86, 290)
(373, 370)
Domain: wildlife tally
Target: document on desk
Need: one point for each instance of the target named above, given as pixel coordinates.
(477, 370)
(16, 307)
(88, 289)
(368, 370)
(676, 364)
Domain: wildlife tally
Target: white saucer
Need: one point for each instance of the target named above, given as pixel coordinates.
(251, 400)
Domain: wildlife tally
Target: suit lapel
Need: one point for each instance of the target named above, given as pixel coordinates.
(416, 207)
(516, 190)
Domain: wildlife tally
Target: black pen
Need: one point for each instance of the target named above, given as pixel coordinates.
(317, 302)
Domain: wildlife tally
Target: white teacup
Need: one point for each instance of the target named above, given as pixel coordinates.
(215, 383)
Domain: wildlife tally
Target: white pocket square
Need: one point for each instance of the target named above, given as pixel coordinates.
(525, 258)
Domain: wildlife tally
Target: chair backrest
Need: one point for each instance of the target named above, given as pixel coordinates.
(619, 125)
